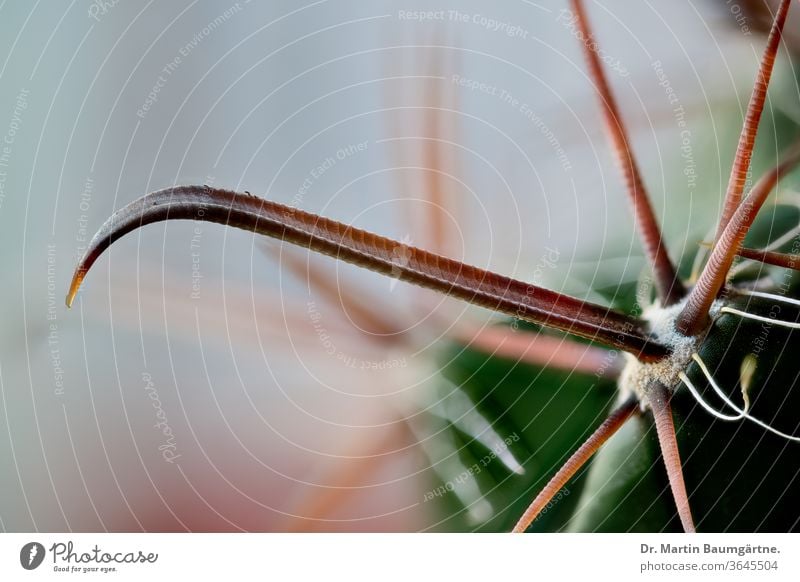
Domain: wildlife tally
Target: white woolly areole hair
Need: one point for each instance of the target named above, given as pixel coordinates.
(637, 376)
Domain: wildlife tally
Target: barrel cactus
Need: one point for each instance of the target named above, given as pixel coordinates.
(701, 426)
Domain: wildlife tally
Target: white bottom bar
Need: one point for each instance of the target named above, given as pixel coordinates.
(408, 557)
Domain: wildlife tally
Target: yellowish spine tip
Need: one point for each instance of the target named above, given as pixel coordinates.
(77, 279)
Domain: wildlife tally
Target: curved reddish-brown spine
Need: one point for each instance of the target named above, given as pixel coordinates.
(658, 399)
(578, 459)
(669, 287)
(785, 260)
(477, 286)
(694, 316)
(747, 139)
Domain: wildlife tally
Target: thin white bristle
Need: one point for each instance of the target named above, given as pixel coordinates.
(772, 296)
(745, 315)
(741, 413)
(711, 410)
